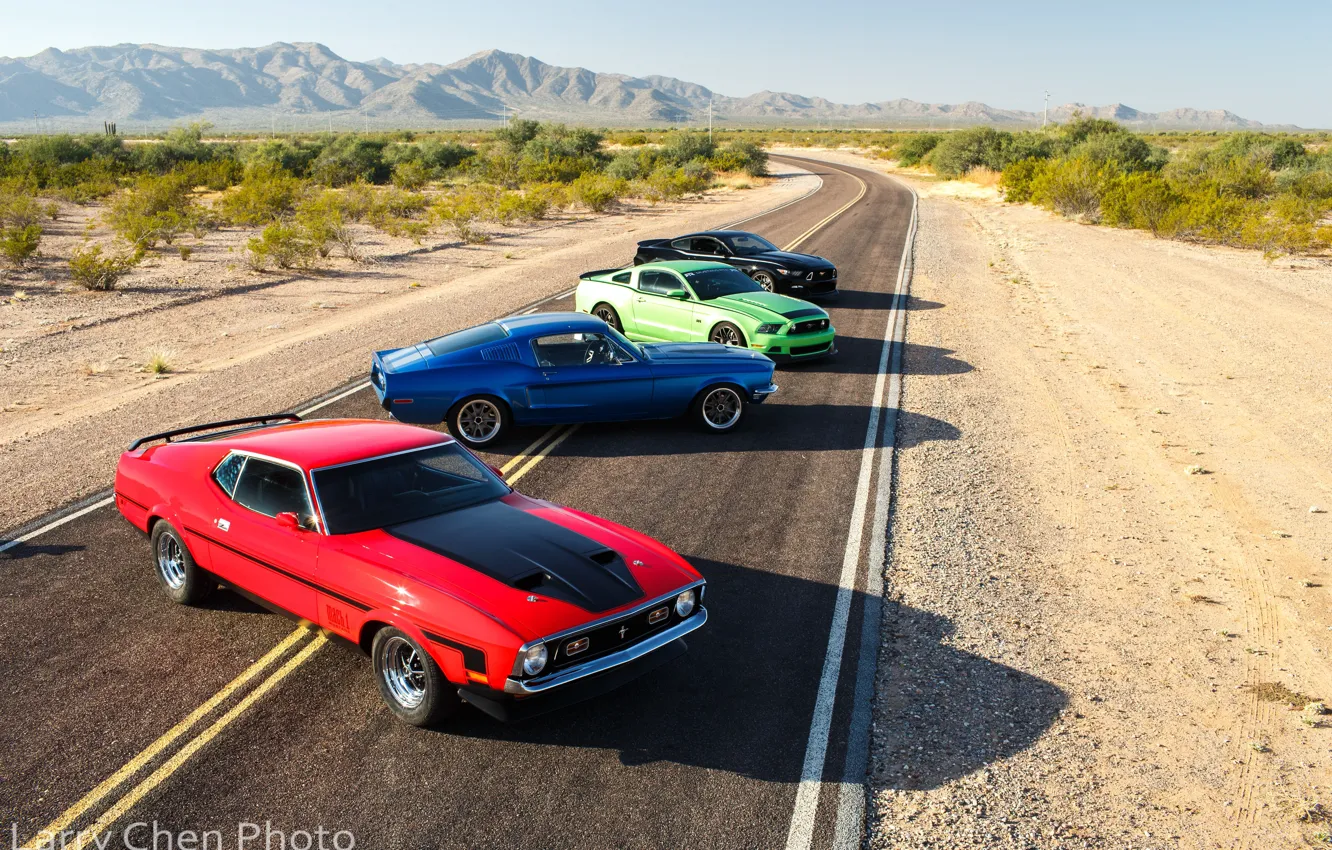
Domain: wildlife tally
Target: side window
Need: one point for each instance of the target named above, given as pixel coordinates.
(271, 489)
(658, 282)
(580, 349)
(228, 471)
(622, 277)
(706, 245)
(685, 244)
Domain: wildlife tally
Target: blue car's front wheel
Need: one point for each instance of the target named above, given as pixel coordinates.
(478, 421)
(719, 409)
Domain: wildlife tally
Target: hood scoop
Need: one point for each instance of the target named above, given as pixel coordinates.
(527, 553)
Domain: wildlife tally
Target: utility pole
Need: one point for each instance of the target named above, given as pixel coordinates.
(709, 118)
(1045, 117)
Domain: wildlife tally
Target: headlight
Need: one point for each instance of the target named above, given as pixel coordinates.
(769, 329)
(534, 660)
(784, 271)
(684, 604)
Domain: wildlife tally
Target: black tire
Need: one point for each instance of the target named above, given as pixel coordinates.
(708, 410)
(411, 683)
(765, 279)
(639, 259)
(727, 334)
(607, 314)
(183, 581)
(479, 421)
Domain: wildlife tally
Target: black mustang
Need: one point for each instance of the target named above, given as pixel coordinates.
(772, 268)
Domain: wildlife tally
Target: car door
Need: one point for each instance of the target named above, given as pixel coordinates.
(656, 314)
(588, 377)
(249, 547)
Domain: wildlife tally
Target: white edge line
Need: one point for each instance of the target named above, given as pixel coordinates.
(801, 833)
(339, 397)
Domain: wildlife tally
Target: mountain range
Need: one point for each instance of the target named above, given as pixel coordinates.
(305, 86)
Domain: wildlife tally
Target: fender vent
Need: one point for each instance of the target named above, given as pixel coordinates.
(508, 351)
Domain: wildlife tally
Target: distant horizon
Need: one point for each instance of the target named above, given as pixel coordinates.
(1154, 56)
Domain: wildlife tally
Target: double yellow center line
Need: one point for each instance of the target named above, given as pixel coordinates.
(58, 833)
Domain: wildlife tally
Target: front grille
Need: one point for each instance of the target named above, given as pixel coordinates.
(812, 326)
(606, 639)
(797, 350)
(824, 274)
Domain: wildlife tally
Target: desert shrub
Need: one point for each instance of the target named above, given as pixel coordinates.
(522, 206)
(685, 146)
(519, 132)
(20, 209)
(545, 168)
(350, 158)
(1128, 150)
(913, 149)
(216, 175)
(18, 245)
(597, 192)
(93, 271)
(462, 211)
(321, 218)
(1142, 200)
(1017, 178)
(266, 194)
(357, 200)
(632, 164)
(673, 182)
(959, 152)
(282, 245)
(634, 140)
(292, 157)
(743, 156)
(155, 209)
(441, 156)
(410, 175)
(1071, 187)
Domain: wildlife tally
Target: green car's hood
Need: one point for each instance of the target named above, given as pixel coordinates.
(766, 306)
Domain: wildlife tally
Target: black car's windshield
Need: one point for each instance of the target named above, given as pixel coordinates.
(400, 488)
(714, 283)
(747, 245)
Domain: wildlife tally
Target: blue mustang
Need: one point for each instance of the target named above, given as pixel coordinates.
(549, 368)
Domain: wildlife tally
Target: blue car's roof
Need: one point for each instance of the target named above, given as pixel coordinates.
(534, 323)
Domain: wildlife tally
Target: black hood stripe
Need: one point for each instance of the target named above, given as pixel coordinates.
(528, 553)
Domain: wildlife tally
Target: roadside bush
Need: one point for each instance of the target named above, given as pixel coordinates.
(410, 175)
(18, 245)
(462, 211)
(284, 246)
(632, 164)
(685, 146)
(95, 272)
(912, 150)
(959, 152)
(1017, 179)
(1142, 200)
(266, 194)
(155, 209)
(350, 158)
(529, 205)
(1071, 187)
(741, 156)
(597, 192)
(321, 220)
(292, 157)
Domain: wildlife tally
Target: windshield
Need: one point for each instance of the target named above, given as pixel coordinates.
(621, 339)
(399, 488)
(714, 283)
(747, 245)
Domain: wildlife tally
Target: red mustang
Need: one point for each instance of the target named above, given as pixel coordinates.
(402, 541)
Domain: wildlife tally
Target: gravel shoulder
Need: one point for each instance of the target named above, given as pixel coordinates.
(1109, 581)
(73, 391)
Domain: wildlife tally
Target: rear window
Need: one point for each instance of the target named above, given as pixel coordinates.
(622, 277)
(479, 335)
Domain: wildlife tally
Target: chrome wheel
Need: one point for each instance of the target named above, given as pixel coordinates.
(171, 561)
(721, 408)
(607, 314)
(479, 420)
(765, 280)
(726, 335)
(403, 672)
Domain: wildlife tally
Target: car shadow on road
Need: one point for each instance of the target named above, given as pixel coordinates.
(32, 550)
(859, 299)
(741, 700)
(860, 356)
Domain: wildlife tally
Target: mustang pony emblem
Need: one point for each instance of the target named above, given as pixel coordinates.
(623, 629)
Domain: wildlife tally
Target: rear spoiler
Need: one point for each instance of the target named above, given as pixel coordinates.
(598, 272)
(651, 243)
(230, 423)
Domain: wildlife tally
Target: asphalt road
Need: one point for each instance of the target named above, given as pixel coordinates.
(705, 752)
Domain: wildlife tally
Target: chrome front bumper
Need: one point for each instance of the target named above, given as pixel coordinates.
(531, 687)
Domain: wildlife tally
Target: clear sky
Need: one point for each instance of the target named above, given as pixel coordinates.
(1267, 61)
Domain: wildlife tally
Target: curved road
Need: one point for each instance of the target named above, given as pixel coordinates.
(709, 751)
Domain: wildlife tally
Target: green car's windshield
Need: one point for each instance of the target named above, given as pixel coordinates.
(747, 245)
(714, 283)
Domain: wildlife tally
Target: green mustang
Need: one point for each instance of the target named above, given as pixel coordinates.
(681, 301)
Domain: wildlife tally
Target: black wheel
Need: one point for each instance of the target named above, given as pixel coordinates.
(765, 280)
(639, 259)
(182, 579)
(719, 409)
(479, 420)
(410, 681)
(607, 314)
(727, 334)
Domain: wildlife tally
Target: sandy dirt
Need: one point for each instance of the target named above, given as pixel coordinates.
(1109, 583)
(74, 390)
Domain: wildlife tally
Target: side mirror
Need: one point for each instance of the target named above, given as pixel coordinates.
(678, 293)
(289, 521)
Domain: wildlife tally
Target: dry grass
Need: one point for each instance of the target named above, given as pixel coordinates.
(1277, 692)
(982, 176)
(160, 361)
(1199, 598)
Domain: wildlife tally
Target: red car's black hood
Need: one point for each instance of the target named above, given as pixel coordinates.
(527, 552)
